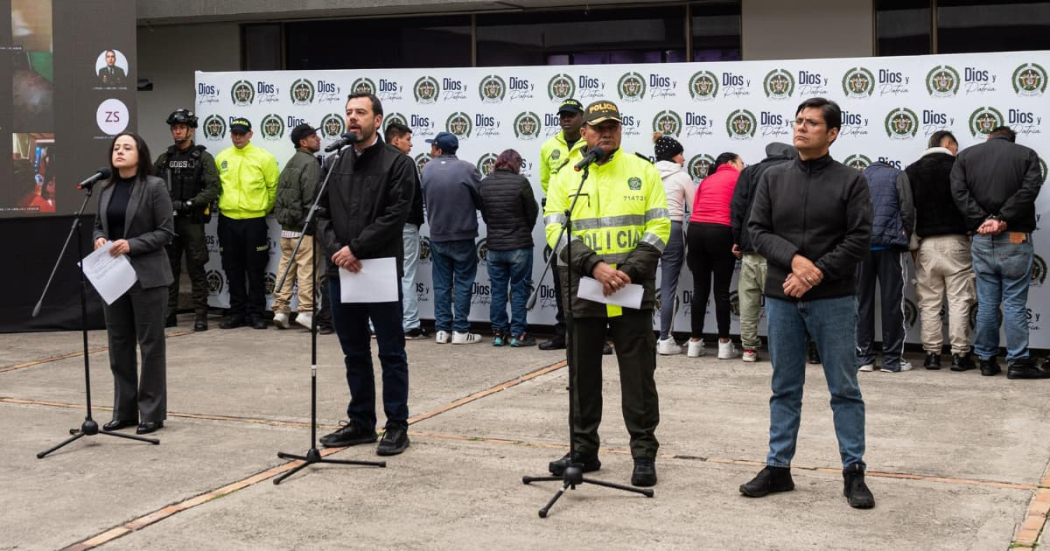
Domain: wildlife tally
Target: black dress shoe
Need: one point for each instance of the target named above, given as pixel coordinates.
(1028, 369)
(606, 350)
(232, 323)
(557, 343)
(259, 323)
(201, 324)
(170, 321)
(769, 480)
(149, 426)
(814, 356)
(325, 330)
(933, 361)
(962, 362)
(990, 367)
(117, 425)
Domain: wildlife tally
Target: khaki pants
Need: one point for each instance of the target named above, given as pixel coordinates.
(301, 273)
(750, 285)
(944, 264)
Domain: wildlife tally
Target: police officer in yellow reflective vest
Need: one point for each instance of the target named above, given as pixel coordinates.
(620, 226)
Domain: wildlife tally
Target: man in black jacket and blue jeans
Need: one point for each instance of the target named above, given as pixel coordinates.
(995, 185)
(811, 220)
(363, 211)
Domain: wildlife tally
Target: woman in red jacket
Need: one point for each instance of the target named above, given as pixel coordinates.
(710, 239)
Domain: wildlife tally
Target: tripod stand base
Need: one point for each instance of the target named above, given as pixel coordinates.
(314, 456)
(572, 477)
(90, 428)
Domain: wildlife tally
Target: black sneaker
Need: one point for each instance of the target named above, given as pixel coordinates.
(557, 343)
(349, 434)
(417, 333)
(325, 330)
(933, 361)
(589, 463)
(259, 322)
(201, 323)
(232, 323)
(644, 474)
(814, 356)
(606, 349)
(962, 362)
(990, 367)
(395, 441)
(855, 490)
(769, 480)
(522, 341)
(1028, 369)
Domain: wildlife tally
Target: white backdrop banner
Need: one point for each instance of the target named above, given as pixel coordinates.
(890, 106)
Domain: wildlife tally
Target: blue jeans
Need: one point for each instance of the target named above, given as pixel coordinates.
(410, 240)
(454, 263)
(517, 267)
(351, 325)
(833, 324)
(1004, 272)
(670, 268)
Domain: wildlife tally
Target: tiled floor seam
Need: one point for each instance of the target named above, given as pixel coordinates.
(1035, 520)
(165, 512)
(77, 354)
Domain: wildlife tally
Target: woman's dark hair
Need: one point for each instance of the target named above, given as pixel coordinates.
(509, 160)
(724, 158)
(145, 167)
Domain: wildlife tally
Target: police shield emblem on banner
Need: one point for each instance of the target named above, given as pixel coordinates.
(703, 86)
(527, 126)
(272, 127)
(1029, 80)
(561, 87)
(459, 124)
(667, 122)
(214, 128)
(942, 82)
(243, 93)
(363, 86)
(983, 120)
(741, 124)
(700, 166)
(426, 90)
(779, 84)
(631, 87)
(492, 89)
(858, 83)
(859, 162)
(393, 118)
(902, 123)
(487, 164)
(421, 160)
(332, 126)
(302, 92)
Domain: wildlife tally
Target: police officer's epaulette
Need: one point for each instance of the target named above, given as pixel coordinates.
(644, 158)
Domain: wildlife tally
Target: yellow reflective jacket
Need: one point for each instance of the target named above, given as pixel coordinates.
(621, 218)
(555, 153)
(249, 181)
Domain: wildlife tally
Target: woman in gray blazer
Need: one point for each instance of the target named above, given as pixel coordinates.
(135, 214)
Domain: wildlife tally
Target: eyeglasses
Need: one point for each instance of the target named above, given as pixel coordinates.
(808, 123)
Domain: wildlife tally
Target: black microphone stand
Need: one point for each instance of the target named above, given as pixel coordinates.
(573, 475)
(90, 426)
(313, 455)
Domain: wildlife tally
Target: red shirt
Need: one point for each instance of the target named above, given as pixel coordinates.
(711, 205)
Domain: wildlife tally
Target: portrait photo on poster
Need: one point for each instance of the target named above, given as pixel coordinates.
(111, 67)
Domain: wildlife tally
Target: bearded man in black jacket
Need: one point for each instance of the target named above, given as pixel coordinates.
(363, 212)
(811, 220)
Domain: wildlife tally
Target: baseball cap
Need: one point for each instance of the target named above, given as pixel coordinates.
(445, 141)
(240, 124)
(570, 106)
(601, 111)
(302, 131)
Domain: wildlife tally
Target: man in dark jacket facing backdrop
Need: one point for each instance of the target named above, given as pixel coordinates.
(995, 185)
(364, 209)
(811, 220)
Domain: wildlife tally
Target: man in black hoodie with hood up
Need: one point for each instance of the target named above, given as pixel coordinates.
(811, 220)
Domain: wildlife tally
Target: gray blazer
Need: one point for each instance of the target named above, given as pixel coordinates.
(148, 227)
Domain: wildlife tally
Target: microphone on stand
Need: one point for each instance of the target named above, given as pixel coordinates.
(348, 138)
(102, 174)
(595, 154)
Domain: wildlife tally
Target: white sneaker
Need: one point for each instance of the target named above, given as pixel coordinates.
(465, 338)
(905, 366)
(867, 368)
(306, 319)
(281, 320)
(727, 350)
(695, 349)
(667, 347)
(441, 337)
(750, 356)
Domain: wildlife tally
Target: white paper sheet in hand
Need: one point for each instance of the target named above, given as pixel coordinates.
(376, 282)
(111, 276)
(628, 297)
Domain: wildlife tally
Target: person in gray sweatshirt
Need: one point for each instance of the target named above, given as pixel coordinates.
(451, 198)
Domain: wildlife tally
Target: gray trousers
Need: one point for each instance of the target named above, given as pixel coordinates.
(138, 316)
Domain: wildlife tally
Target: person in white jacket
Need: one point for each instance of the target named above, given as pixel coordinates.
(680, 189)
